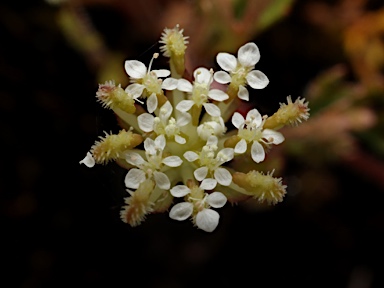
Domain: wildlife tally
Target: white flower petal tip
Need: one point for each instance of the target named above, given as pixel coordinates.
(273, 136)
(241, 147)
(162, 180)
(135, 69)
(162, 73)
(145, 122)
(212, 109)
(243, 93)
(133, 178)
(222, 77)
(191, 156)
(181, 211)
(184, 85)
(257, 79)
(184, 105)
(180, 191)
(217, 95)
(134, 158)
(173, 161)
(216, 199)
(200, 173)
(223, 176)
(152, 103)
(208, 184)
(248, 54)
(237, 120)
(88, 161)
(207, 220)
(257, 152)
(169, 84)
(226, 61)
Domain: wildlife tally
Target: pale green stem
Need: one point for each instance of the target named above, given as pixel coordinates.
(186, 171)
(130, 119)
(227, 109)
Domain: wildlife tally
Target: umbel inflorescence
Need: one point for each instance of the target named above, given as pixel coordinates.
(175, 144)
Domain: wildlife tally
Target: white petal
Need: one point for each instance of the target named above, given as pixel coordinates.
(226, 61)
(248, 54)
(216, 199)
(225, 155)
(223, 176)
(180, 139)
(134, 158)
(207, 220)
(180, 191)
(254, 117)
(172, 161)
(162, 180)
(181, 211)
(212, 140)
(241, 146)
(208, 184)
(145, 122)
(222, 77)
(202, 76)
(185, 105)
(184, 85)
(149, 146)
(135, 69)
(200, 173)
(134, 177)
(217, 95)
(166, 111)
(191, 156)
(183, 119)
(88, 160)
(237, 120)
(277, 136)
(135, 90)
(160, 142)
(152, 103)
(257, 79)
(169, 84)
(257, 152)
(243, 93)
(161, 73)
(212, 109)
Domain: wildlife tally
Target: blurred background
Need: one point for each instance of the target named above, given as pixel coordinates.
(60, 220)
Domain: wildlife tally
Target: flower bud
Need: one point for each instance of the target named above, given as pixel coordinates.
(261, 186)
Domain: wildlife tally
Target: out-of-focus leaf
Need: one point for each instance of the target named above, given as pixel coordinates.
(239, 7)
(273, 12)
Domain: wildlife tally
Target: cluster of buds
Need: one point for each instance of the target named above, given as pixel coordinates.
(175, 144)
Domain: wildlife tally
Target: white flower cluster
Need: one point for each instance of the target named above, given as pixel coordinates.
(183, 132)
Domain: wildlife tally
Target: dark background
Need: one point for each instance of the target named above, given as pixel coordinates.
(60, 220)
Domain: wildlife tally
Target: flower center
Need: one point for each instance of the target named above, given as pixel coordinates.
(250, 135)
(239, 75)
(207, 157)
(200, 93)
(152, 83)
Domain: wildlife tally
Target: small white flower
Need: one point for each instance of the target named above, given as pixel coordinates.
(211, 165)
(183, 190)
(200, 92)
(199, 208)
(153, 167)
(164, 124)
(251, 131)
(215, 127)
(241, 69)
(147, 82)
